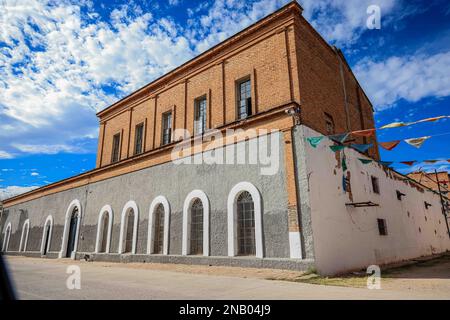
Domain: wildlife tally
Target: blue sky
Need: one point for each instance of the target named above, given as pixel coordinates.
(63, 61)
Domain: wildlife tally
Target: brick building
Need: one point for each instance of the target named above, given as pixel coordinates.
(138, 205)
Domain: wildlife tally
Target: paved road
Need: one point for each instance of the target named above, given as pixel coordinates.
(46, 279)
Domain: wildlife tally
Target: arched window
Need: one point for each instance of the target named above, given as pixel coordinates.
(158, 226)
(104, 228)
(246, 224)
(71, 232)
(245, 227)
(24, 236)
(128, 228)
(158, 241)
(46, 235)
(196, 227)
(6, 238)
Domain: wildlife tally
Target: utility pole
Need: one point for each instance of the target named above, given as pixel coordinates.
(444, 210)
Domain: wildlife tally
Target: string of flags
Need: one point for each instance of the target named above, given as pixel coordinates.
(389, 145)
(408, 163)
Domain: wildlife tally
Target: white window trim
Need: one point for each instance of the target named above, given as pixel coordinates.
(129, 205)
(232, 217)
(105, 210)
(191, 197)
(158, 200)
(23, 241)
(49, 220)
(7, 237)
(74, 204)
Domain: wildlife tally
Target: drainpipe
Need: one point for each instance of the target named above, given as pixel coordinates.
(344, 88)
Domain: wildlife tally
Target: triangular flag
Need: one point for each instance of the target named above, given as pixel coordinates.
(408, 163)
(385, 163)
(337, 148)
(389, 145)
(448, 160)
(314, 141)
(365, 161)
(364, 133)
(339, 137)
(361, 147)
(430, 161)
(394, 125)
(430, 119)
(417, 142)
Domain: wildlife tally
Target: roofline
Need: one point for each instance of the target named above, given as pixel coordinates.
(293, 5)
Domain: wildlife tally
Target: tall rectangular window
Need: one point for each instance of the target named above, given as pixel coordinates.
(244, 99)
(138, 138)
(382, 228)
(375, 185)
(200, 115)
(115, 148)
(167, 127)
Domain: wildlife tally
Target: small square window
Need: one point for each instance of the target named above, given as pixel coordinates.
(375, 185)
(382, 229)
(329, 123)
(400, 195)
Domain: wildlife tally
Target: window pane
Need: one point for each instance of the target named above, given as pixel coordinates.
(246, 224)
(159, 230)
(167, 127)
(244, 99)
(197, 227)
(200, 116)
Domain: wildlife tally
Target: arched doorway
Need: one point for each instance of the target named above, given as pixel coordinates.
(73, 226)
(46, 235)
(158, 239)
(24, 236)
(104, 228)
(129, 228)
(196, 236)
(6, 238)
(129, 223)
(72, 223)
(245, 224)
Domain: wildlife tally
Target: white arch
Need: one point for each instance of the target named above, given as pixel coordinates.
(105, 210)
(158, 200)
(49, 221)
(232, 217)
(129, 205)
(190, 198)
(24, 241)
(7, 237)
(74, 204)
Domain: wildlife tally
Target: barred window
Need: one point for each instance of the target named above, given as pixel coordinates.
(197, 227)
(382, 229)
(246, 224)
(138, 138)
(115, 148)
(159, 230)
(167, 128)
(244, 99)
(129, 232)
(200, 115)
(104, 234)
(375, 185)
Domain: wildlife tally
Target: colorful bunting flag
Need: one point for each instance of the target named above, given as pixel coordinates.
(314, 141)
(364, 133)
(337, 148)
(339, 137)
(408, 163)
(361, 147)
(417, 142)
(394, 125)
(448, 160)
(430, 161)
(429, 119)
(365, 161)
(389, 145)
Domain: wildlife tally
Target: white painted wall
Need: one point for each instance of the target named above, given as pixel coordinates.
(347, 238)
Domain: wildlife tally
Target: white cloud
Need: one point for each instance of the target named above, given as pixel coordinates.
(416, 77)
(47, 149)
(12, 191)
(5, 155)
(34, 174)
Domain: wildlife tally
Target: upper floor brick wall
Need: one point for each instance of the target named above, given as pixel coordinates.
(285, 60)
